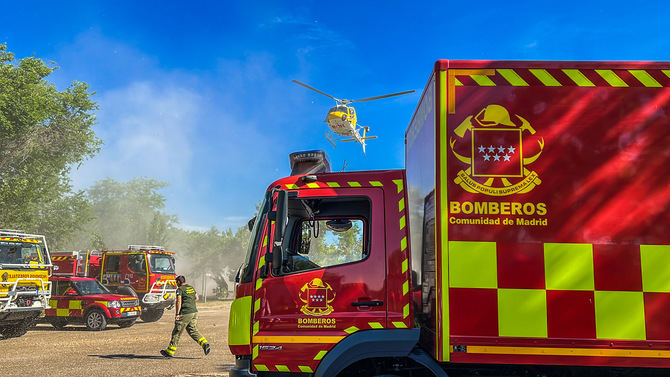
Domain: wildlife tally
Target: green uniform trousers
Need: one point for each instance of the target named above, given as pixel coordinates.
(190, 323)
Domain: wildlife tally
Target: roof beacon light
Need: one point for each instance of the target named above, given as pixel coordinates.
(309, 162)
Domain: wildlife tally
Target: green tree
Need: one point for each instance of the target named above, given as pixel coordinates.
(43, 133)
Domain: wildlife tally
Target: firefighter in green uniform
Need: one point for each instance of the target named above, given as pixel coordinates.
(186, 317)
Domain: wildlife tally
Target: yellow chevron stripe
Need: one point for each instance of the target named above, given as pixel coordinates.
(354, 184)
(405, 311)
(256, 328)
(376, 184)
(611, 78)
(313, 185)
(483, 80)
(375, 325)
(320, 355)
(259, 282)
(257, 305)
(403, 243)
(645, 78)
(405, 266)
(402, 222)
(399, 184)
(578, 77)
(333, 184)
(666, 71)
(261, 368)
(401, 204)
(254, 352)
(282, 368)
(305, 369)
(351, 330)
(291, 186)
(545, 77)
(512, 77)
(405, 288)
(457, 82)
(399, 325)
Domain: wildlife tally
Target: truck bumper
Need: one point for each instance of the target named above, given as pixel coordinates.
(241, 369)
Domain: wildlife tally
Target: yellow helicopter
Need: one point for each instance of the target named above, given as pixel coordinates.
(342, 119)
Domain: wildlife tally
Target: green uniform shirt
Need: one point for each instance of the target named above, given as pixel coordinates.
(187, 294)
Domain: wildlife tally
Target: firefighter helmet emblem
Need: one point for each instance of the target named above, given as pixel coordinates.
(317, 296)
(497, 166)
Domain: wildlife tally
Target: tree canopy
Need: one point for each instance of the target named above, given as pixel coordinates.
(43, 133)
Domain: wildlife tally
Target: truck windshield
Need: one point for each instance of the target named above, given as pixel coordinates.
(89, 287)
(21, 253)
(161, 263)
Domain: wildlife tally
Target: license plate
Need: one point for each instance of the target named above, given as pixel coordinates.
(130, 314)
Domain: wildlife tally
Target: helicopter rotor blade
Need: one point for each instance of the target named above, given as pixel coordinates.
(378, 97)
(317, 90)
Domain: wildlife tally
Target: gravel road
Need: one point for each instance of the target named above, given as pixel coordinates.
(75, 351)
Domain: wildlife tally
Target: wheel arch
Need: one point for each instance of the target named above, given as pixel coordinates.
(97, 306)
(375, 344)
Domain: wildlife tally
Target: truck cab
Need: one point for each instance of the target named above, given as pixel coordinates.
(24, 281)
(327, 261)
(148, 270)
(84, 300)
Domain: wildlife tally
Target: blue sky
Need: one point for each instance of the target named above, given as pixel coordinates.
(199, 94)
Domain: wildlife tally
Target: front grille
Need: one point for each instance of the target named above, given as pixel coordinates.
(130, 303)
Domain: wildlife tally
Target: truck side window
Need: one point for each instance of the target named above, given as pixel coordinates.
(323, 243)
(112, 263)
(137, 264)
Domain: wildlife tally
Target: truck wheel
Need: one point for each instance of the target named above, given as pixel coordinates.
(95, 320)
(128, 323)
(19, 329)
(58, 323)
(151, 315)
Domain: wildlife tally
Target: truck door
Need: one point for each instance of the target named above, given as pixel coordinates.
(332, 280)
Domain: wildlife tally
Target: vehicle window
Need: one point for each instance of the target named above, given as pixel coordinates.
(112, 263)
(161, 263)
(20, 253)
(325, 243)
(137, 263)
(90, 287)
(63, 287)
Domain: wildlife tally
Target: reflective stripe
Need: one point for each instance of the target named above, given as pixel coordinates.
(400, 325)
(297, 339)
(546, 351)
(645, 78)
(375, 325)
(482, 80)
(354, 184)
(305, 369)
(320, 355)
(544, 76)
(611, 78)
(512, 77)
(262, 368)
(578, 77)
(351, 330)
(282, 368)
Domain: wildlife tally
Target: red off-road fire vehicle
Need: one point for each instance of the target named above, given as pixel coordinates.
(84, 300)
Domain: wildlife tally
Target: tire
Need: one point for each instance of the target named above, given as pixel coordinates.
(151, 315)
(126, 323)
(19, 329)
(58, 322)
(95, 320)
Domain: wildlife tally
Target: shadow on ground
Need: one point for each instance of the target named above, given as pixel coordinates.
(147, 357)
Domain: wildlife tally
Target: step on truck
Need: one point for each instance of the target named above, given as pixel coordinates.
(24, 281)
(142, 270)
(526, 236)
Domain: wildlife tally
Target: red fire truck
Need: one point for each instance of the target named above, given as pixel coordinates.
(142, 270)
(84, 300)
(527, 236)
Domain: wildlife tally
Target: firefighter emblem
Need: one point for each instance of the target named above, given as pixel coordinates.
(496, 165)
(317, 296)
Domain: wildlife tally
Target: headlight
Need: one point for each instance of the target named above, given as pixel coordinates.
(114, 304)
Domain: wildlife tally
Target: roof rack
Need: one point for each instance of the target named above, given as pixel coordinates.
(145, 247)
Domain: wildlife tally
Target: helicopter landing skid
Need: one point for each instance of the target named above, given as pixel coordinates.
(332, 140)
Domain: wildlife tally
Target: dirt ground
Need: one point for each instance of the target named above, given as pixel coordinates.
(74, 351)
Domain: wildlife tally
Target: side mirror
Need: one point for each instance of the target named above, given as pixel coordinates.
(250, 223)
(281, 219)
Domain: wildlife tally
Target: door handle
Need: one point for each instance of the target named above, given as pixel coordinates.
(367, 303)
